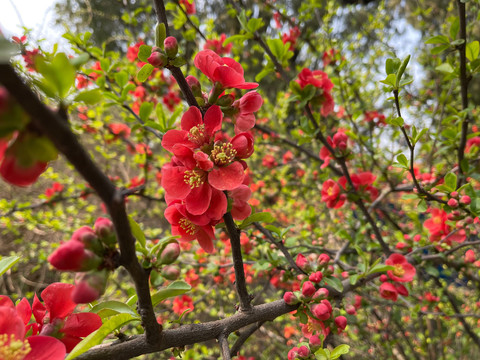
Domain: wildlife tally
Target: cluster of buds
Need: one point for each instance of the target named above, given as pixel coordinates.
(456, 200)
(92, 255)
(163, 267)
(166, 56)
(339, 143)
(314, 309)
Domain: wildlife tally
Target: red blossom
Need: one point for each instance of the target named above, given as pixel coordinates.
(388, 291)
(216, 45)
(226, 71)
(181, 304)
(403, 271)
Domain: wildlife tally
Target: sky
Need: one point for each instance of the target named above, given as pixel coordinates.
(35, 14)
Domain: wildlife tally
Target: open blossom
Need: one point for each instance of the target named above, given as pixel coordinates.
(291, 37)
(363, 183)
(217, 45)
(331, 194)
(226, 71)
(320, 80)
(438, 228)
(403, 271)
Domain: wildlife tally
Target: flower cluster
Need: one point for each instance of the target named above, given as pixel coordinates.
(315, 312)
(90, 253)
(319, 80)
(402, 272)
(439, 229)
(20, 162)
(55, 329)
(207, 165)
(217, 46)
(338, 143)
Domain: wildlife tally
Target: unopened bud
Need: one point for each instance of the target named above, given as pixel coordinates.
(170, 272)
(290, 298)
(170, 253)
(72, 256)
(171, 47)
(89, 286)
(308, 289)
(453, 203)
(465, 200)
(157, 59)
(226, 100)
(194, 84)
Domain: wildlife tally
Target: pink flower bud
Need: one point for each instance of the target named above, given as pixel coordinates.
(250, 102)
(323, 259)
(470, 256)
(454, 194)
(301, 261)
(89, 286)
(104, 227)
(194, 84)
(383, 278)
(341, 322)
(303, 351)
(171, 47)
(321, 311)
(170, 272)
(243, 144)
(308, 289)
(453, 203)
(321, 293)
(72, 256)
(170, 253)
(465, 200)
(351, 310)
(157, 59)
(315, 341)
(290, 298)
(340, 137)
(316, 277)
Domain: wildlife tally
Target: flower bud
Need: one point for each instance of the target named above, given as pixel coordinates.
(341, 322)
(105, 230)
(321, 311)
(323, 259)
(321, 294)
(470, 256)
(157, 59)
(301, 261)
(350, 309)
(194, 84)
(453, 203)
(72, 256)
(170, 253)
(243, 144)
(87, 236)
(465, 200)
(250, 102)
(171, 46)
(316, 277)
(170, 272)
(226, 100)
(315, 341)
(290, 298)
(89, 286)
(308, 289)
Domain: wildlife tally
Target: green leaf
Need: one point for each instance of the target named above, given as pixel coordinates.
(174, 289)
(121, 78)
(144, 72)
(380, 268)
(59, 73)
(422, 206)
(145, 110)
(390, 80)
(257, 217)
(137, 232)
(276, 47)
(439, 49)
(401, 70)
(398, 121)
(43, 149)
(334, 283)
(160, 35)
(439, 39)
(144, 52)
(89, 97)
(321, 354)
(80, 60)
(392, 65)
(95, 338)
(445, 68)
(454, 27)
(402, 159)
(472, 50)
(451, 181)
(112, 307)
(254, 24)
(7, 262)
(237, 38)
(339, 351)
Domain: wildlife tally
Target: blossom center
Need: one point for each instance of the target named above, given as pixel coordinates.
(12, 349)
(223, 154)
(194, 178)
(197, 135)
(189, 227)
(398, 270)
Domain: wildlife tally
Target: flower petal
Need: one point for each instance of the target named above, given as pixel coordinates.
(45, 348)
(198, 200)
(57, 299)
(228, 177)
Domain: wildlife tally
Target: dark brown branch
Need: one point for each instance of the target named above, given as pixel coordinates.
(223, 341)
(188, 334)
(463, 88)
(280, 246)
(176, 72)
(240, 284)
(58, 131)
(244, 337)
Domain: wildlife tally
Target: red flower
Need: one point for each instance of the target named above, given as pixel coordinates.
(119, 130)
(191, 227)
(363, 183)
(16, 173)
(132, 51)
(331, 194)
(403, 271)
(388, 291)
(182, 303)
(438, 228)
(291, 37)
(13, 344)
(226, 71)
(217, 45)
(189, 6)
